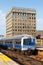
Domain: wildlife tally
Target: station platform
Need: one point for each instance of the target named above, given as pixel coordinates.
(4, 60)
(40, 50)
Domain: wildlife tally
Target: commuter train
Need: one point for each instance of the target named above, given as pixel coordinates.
(19, 42)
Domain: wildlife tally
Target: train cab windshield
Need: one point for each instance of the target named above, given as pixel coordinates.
(27, 41)
(32, 41)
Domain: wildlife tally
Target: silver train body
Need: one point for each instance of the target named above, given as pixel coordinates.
(22, 42)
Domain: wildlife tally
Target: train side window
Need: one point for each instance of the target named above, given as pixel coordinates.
(18, 41)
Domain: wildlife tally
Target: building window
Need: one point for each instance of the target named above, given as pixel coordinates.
(23, 26)
(13, 13)
(15, 29)
(15, 23)
(29, 17)
(34, 17)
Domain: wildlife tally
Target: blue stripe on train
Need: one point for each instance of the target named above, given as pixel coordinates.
(17, 46)
(9, 45)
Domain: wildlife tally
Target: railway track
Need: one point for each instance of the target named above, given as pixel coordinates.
(23, 59)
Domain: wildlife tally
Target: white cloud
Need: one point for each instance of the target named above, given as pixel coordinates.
(39, 24)
(2, 23)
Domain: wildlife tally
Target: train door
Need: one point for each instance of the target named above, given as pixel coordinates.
(17, 43)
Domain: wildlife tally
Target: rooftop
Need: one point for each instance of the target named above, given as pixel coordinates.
(18, 9)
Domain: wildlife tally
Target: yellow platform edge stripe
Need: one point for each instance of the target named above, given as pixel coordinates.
(4, 57)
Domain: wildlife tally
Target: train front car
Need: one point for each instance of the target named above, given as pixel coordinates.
(22, 43)
(28, 43)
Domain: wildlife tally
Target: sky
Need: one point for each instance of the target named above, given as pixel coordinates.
(5, 5)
